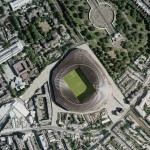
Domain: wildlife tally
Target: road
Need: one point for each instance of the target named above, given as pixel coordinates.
(121, 141)
(136, 116)
(128, 109)
(49, 127)
(127, 19)
(147, 81)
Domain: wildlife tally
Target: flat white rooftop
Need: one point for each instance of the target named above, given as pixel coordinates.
(21, 108)
(19, 3)
(5, 109)
(11, 51)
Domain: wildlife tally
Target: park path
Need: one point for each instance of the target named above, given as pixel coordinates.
(127, 19)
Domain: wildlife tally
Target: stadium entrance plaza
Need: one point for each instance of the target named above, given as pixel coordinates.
(115, 101)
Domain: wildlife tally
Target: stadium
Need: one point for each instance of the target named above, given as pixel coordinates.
(78, 83)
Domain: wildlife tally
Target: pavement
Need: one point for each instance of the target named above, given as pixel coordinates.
(116, 99)
(9, 75)
(37, 83)
(95, 7)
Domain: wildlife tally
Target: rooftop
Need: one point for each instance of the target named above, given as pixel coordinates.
(18, 4)
(10, 51)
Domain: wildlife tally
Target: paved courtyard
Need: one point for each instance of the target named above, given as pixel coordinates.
(37, 83)
(101, 15)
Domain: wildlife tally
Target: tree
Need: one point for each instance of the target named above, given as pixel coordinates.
(22, 36)
(1, 70)
(85, 32)
(60, 18)
(35, 34)
(82, 9)
(133, 13)
(91, 28)
(141, 36)
(15, 22)
(76, 2)
(6, 44)
(1, 10)
(72, 8)
(49, 1)
(118, 27)
(75, 15)
(89, 37)
(53, 7)
(36, 20)
(81, 15)
(97, 33)
(67, 2)
(31, 53)
(126, 45)
(107, 38)
(12, 91)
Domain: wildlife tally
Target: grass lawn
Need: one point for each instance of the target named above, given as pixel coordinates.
(79, 84)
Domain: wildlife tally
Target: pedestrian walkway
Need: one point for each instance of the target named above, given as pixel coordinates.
(37, 83)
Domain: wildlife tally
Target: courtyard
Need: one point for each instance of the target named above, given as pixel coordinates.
(102, 16)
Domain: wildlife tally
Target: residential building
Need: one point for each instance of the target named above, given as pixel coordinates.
(140, 108)
(18, 4)
(11, 51)
(21, 108)
(144, 6)
(148, 119)
(22, 67)
(4, 93)
(44, 141)
(23, 21)
(47, 7)
(18, 84)
(43, 104)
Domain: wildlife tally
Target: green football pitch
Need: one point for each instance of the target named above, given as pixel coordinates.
(79, 84)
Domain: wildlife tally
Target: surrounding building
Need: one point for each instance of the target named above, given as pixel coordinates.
(18, 4)
(11, 51)
(18, 84)
(144, 5)
(55, 94)
(141, 107)
(4, 92)
(42, 105)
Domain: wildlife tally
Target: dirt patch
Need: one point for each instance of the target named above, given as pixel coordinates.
(45, 26)
(112, 54)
